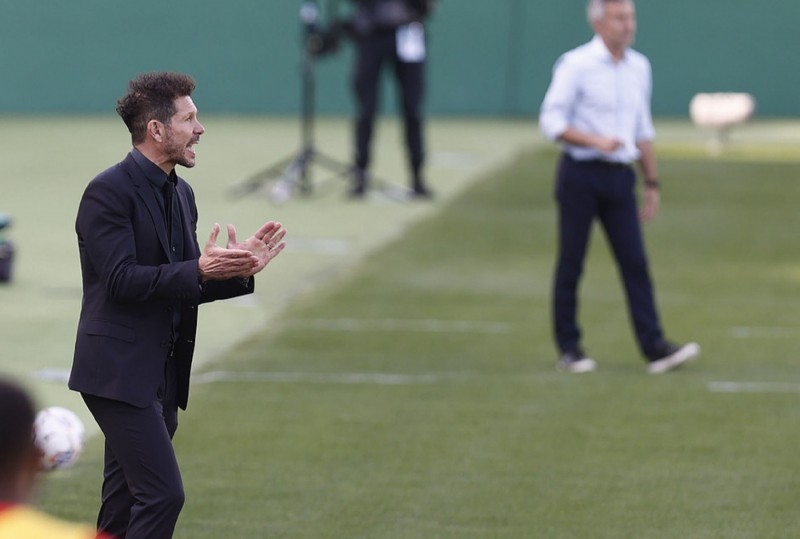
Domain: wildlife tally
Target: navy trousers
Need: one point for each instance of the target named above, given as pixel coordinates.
(586, 190)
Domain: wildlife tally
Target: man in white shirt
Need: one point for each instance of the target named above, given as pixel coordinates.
(598, 107)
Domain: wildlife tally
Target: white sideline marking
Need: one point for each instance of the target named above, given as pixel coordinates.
(396, 324)
(465, 160)
(52, 375)
(383, 379)
(753, 387)
(765, 332)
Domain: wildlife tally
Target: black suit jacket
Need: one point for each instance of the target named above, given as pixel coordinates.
(131, 289)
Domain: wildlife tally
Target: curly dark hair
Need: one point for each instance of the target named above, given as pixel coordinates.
(151, 96)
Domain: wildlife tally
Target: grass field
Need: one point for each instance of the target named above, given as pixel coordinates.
(415, 396)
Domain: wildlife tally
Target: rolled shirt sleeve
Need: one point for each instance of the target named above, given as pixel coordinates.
(556, 110)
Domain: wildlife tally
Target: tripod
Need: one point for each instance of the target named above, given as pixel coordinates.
(293, 174)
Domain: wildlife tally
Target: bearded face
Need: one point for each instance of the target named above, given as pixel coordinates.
(182, 133)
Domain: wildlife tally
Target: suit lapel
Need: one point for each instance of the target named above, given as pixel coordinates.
(148, 195)
(187, 226)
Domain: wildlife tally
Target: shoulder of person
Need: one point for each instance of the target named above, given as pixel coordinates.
(575, 57)
(115, 181)
(639, 58)
(112, 174)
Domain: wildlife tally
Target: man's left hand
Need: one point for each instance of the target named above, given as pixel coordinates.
(650, 203)
(266, 243)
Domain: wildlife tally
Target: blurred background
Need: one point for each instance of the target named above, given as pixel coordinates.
(485, 58)
(293, 430)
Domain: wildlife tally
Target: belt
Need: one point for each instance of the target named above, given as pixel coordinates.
(599, 162)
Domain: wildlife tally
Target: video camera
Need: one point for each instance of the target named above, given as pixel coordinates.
(324, 38)
(320, 38)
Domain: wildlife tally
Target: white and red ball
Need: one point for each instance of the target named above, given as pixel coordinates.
(59, 435)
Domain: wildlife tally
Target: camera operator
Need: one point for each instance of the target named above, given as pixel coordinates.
(390, 31)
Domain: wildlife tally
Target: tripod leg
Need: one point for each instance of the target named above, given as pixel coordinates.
(305, 177)
(334, 165)
(257, 180)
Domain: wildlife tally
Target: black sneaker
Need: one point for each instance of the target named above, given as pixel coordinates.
(420, 192)
(359, 188)
(575, 361)
(670, 356)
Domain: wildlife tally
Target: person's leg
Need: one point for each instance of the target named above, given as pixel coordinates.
(576, 211)
(116, 498)
(411, 81)
(619, 215)
(370, 52)
(139, 457)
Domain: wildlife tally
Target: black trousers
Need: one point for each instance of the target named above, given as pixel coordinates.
(585, 191)
(142, 492)
(373, 51)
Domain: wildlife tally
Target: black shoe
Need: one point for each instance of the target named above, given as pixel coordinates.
(359, 188)
(668, 356)
(575, 361)
(420, 192)
(357, 191)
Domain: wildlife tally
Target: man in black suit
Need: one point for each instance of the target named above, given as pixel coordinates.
(144, 275)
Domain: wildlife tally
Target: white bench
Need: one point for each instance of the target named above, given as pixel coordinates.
(719, 112)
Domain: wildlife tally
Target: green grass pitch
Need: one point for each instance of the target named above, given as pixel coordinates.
(415, 396)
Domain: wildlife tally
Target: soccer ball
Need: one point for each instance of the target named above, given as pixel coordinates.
(59, 435)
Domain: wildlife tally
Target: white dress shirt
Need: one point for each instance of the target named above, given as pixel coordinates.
(590, 92)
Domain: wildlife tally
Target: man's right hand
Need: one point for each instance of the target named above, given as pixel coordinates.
(606, 144)
(601, 143)
(218, 263)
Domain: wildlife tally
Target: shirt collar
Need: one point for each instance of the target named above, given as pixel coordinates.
(152, 172)
(598, 47)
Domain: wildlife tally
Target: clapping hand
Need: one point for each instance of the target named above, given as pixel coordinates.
(218, 263)
(265, 244)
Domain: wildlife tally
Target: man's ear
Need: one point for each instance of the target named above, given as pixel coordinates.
(156, 130)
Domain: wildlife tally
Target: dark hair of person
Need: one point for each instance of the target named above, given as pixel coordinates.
(151, 96)
(16, 425)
